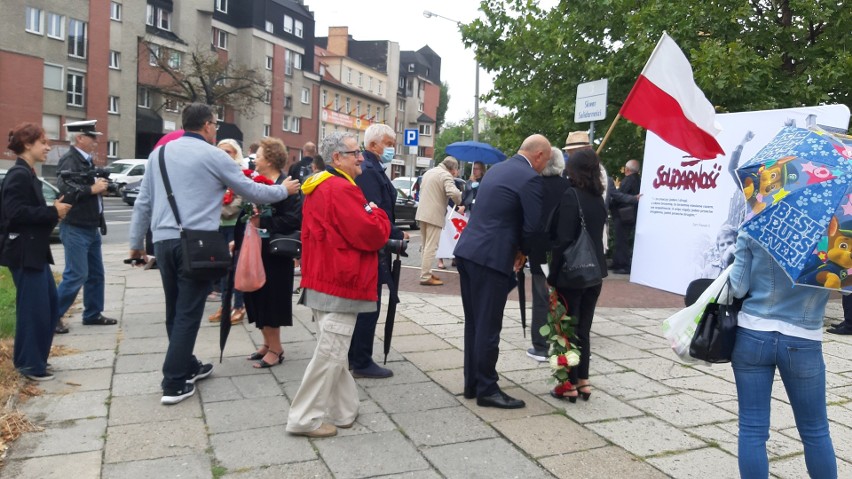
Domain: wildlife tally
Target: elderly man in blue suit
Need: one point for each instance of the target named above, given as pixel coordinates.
(491, 250)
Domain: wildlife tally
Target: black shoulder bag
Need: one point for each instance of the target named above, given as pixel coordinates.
(206, 255)
(580, 268)
(716, 331)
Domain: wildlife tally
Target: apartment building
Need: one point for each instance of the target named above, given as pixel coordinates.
(418, 94)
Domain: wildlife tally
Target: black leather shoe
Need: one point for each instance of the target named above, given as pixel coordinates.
(61, 328)
(841, 328)
(500, 400)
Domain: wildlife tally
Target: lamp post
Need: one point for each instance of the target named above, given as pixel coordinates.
(428, 14)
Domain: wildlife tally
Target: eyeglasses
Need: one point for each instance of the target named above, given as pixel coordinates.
(353, 152)
(215, 124)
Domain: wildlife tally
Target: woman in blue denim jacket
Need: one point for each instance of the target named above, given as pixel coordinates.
(779, 326)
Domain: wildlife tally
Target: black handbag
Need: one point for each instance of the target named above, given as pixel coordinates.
(289, 245)
(206, 255)
(627, 214)
(580, 268)
(716, 331)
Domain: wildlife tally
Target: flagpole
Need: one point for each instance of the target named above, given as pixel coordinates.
(608, 132)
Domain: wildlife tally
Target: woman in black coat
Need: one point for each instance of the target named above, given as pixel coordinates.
(271, 306)
(583, 170)
(25, 249)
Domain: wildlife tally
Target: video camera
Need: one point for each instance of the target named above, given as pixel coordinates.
(89, 177)
(396, 246)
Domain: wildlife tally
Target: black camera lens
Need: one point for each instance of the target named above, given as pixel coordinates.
(397, 246)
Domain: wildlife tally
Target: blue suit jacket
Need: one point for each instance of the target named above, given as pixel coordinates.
(377, 187)
(508, 212)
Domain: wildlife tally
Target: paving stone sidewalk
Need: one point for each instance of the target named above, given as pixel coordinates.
(649, 415)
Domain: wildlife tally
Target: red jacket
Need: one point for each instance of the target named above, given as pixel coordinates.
(340, 238)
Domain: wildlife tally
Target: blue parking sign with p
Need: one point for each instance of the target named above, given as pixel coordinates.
(411, 136)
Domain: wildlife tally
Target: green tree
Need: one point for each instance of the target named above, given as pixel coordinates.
(746, 56)
(443, 103)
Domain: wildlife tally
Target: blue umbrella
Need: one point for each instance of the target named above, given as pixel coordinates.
(799, 194)
(475, 151)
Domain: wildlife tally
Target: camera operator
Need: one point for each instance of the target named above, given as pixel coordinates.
(81, 230)
(341, 235)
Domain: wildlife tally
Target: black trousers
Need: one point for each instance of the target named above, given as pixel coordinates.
(580, 303)
(540, 308)
(622, 256)
(361, 347)
(846, 301)
(185, 300)
(37, 315)
(484, 291)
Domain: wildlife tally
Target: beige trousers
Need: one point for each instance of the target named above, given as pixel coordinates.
(328, 389)
(430, 234)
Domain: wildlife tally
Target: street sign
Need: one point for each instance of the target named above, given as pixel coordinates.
(411, 136)
(591, 101)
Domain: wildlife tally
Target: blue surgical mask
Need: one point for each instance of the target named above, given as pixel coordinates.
(387, 155)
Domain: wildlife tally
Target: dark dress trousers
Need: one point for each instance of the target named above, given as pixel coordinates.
(507, 218)
(26, 252)
(622, 256)
(377, 188)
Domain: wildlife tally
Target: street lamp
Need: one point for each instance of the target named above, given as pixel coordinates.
(428, 14)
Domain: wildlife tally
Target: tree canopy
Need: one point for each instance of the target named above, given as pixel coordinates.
(746, 55)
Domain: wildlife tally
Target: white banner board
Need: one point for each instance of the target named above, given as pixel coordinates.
(690, 209)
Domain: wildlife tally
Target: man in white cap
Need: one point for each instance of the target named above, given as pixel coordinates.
(81, 231)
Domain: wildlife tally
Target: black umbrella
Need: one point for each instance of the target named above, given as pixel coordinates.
(522, 298)
(392, 301)
(225, 324)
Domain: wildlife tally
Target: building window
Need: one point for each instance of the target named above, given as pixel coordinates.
(336, 102)
(295, 124)
(380, 87)
(269, 63)
(369, 111)
(269, 27)
(35, 21)
(222, 6)
(400, 105)
(306, 96)
(370, 83)
(144, 98)
(288, 102)
(267, 96)
(150, 15)
(221, 39)
(411, 68)
(171, 105)
(299, 29)
(153, 55)
(348, 105)
(288, 62)
(297, 60)
(50, 123)
(420, 107)
(53, 77)
(288, 24)
(164, 18)
(76, 38)
(74, 87)
(322, 131)
(175, 59)
(324, 100)
(360, 79)
(267, 130)
(112, 104)
(115, 11)
(426, 130)
(358, 108)
(112, 149)
(114, 60)
(401, 83)
(55, 26)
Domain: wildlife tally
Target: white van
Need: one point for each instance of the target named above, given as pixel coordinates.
(123, 172)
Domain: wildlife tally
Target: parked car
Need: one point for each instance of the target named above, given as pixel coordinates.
(404, 210)
(130, 192)
(123, 172)
(404, 183)
(50, 193)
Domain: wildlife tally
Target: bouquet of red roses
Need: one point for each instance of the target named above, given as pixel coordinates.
(249, 208)
(559, 332)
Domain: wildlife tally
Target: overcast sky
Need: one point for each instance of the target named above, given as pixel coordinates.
(402, 21)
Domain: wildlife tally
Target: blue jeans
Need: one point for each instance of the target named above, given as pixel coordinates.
(35, 299)
(185, 300)
(755, 357)
(84, 267)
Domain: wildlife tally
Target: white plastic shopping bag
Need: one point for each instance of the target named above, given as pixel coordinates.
(453, 226)
(679, 328)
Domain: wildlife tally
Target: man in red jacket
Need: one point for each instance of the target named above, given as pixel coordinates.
(341, 235)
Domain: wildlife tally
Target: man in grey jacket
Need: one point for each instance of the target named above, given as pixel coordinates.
(436, 188)
(200, 173)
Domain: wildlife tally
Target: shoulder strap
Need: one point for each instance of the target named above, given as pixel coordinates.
(168, 185)
(579, 208)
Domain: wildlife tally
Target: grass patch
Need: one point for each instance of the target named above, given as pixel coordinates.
(219, 471)
(13, 388)
(7, 304)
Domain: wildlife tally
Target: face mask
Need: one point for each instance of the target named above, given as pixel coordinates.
(387, 155)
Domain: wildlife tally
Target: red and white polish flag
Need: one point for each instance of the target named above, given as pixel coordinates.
(666, 101)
